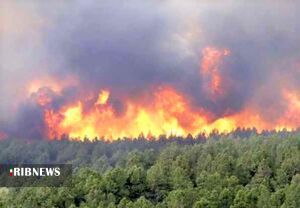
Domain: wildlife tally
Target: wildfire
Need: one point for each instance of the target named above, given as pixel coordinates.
(168, 113)
(173, 71)
(163, 110)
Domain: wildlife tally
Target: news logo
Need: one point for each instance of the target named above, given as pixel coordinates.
(35, 175)
(32, 171)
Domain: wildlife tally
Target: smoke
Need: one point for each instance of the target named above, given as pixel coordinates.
(133, 47)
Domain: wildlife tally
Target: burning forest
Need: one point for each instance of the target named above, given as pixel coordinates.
(110, 72)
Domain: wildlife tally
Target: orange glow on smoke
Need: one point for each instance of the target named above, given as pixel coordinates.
(50, 82)
(3, 135)
(42, 97)
(210, 69)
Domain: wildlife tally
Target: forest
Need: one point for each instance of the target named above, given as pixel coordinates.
(241, 169)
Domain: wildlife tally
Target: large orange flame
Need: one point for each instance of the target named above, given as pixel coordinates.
(168, 113)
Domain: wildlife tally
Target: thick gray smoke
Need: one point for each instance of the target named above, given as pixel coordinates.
(133, 46)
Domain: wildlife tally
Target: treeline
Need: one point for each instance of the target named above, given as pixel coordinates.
(102, 155)
(225, 171)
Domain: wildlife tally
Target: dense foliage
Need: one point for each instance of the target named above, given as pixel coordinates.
(224, 171)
